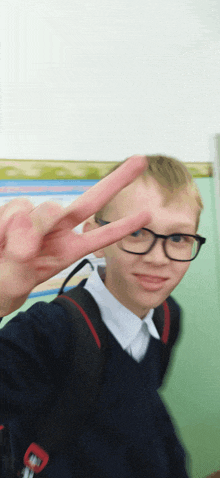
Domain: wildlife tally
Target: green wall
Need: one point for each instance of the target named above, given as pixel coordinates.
(192, 387)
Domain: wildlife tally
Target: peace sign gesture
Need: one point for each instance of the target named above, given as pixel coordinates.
(37, 243)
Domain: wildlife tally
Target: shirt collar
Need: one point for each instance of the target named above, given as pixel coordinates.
(121, 322)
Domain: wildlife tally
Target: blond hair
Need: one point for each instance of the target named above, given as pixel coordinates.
(173, 179)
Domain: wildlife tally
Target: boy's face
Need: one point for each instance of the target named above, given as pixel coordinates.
(123, 270)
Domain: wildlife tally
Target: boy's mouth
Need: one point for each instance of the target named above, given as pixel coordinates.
(150, 278)
(150, 283)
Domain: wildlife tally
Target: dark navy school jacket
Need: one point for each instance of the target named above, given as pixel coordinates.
(129, 434)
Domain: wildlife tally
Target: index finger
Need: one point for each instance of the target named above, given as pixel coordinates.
(101, 193)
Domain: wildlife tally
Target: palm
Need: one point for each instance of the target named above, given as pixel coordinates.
(52, 257)
(56, 253)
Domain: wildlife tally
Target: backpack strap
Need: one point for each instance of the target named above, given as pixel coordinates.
(72, 273)
(86, 355)
(162, 321)
(167, 321)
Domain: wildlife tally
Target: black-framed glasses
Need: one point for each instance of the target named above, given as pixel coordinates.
(177, 247)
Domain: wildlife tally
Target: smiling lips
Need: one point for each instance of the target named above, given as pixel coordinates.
(151, 279)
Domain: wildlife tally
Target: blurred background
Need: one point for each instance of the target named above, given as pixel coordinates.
(85, 85)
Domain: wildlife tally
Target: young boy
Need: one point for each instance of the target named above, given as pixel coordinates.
(129, 434)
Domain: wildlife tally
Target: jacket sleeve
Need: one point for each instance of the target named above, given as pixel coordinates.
(32, 360)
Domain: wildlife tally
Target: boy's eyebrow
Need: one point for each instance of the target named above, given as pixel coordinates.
(175, 227)
(181, 224)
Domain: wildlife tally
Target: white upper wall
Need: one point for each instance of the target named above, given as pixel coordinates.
(97, 80)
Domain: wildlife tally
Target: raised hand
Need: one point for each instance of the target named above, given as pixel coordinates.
(37, 243)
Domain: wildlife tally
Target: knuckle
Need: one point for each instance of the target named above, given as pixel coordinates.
(48, 207)
(44, 215)
(14, 206)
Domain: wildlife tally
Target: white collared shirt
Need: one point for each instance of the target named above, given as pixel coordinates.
(131, 332)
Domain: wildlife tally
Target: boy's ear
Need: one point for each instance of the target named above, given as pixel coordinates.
(89, 225)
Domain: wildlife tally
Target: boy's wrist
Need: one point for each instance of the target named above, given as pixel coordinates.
(9, 305)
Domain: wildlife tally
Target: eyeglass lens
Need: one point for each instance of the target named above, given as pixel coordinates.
(177, 247)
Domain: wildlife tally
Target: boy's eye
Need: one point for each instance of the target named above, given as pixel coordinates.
(136, 233)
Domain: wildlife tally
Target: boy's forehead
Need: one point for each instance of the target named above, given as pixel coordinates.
(136, 194)
(120, 199)
(141, 193)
